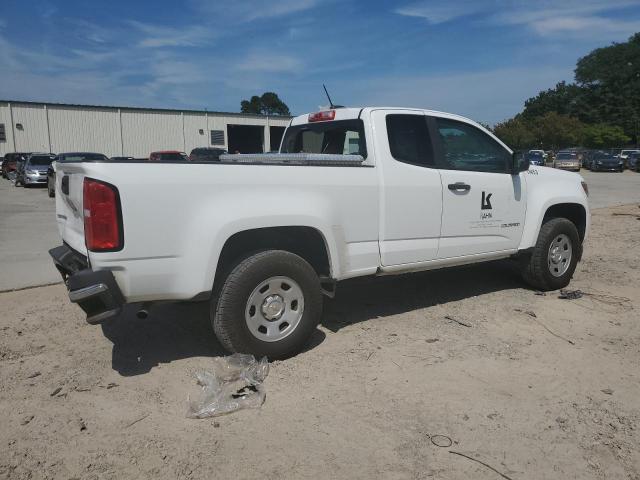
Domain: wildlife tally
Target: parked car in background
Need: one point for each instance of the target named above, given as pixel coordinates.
(9, 162)
(206, 154)
(535, 157)
(69, 157)
(33, 171)
(168, 156)
(567, 161)
(624, 156)
(604, 161)
(633, 161)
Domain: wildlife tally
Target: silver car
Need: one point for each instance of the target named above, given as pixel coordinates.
(33, 171)
(567, 161)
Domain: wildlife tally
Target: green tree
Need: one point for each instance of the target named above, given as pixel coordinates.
(564, 99)
(557, 131)
(606, 90)
(267, 104)
(610, 79)
(604, 136)
(517, 133)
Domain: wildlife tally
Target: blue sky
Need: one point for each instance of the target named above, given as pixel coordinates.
(477, 58)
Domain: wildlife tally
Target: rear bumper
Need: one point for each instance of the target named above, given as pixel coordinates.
(33, 180)
(97, 293)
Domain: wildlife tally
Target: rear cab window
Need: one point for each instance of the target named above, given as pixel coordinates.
(339, 137)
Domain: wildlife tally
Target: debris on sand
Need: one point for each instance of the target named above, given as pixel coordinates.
(570, 294)
(234, 383)
(26, 419)
(459, 322)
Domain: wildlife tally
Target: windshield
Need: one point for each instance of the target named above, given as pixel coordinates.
(534, 156)
(40, 160)
(84, 157)
(566, 156)
(342, 137)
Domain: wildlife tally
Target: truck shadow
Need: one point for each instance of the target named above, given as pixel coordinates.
(363, 299)
(176, 331)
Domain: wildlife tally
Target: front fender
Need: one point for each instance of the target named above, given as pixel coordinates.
(546, 189)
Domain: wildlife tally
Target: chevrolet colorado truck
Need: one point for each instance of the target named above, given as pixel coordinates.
(352, 192)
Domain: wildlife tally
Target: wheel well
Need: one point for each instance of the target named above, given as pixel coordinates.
(571, 211)
(307, 242)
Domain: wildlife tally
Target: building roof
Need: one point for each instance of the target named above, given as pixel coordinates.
(152, 109)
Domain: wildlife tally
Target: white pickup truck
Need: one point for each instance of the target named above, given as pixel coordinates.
(353, 192)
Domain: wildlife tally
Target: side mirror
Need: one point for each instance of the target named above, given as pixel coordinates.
(519, 163)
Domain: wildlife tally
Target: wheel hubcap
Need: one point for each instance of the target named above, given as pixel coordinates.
(274, 309)
(559, 256)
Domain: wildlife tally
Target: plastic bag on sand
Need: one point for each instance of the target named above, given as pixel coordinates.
(234, 383)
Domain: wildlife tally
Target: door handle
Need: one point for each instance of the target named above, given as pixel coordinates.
(459, 186)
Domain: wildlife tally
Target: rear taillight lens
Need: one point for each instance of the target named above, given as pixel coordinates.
(323, 116)
(102, 222)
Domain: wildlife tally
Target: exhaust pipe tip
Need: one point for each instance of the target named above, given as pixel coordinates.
(142, 314)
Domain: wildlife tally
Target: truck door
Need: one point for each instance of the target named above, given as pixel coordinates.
(483, 204)
(411, 190)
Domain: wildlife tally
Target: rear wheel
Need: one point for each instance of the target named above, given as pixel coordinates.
(50, 190)
(555, 256)
(270, 304)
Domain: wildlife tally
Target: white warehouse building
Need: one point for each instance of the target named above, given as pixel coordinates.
(130, 131)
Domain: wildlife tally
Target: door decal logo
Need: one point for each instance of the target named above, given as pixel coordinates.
(486, 201)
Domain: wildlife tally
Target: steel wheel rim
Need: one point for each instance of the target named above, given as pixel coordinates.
(274, 309)
(559, 256)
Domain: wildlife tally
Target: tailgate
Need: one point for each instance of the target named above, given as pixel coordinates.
(69, 215)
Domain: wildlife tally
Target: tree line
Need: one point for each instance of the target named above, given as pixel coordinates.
(600, 109)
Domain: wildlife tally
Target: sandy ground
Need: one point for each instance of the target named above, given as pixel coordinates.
(555, 396)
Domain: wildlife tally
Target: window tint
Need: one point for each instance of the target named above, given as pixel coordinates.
(467, 148)
(83, 157)
(342, 137)
(40, 160)
(409, 139)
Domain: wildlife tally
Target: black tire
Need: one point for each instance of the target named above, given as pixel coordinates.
(228, 309)
(534, 267)
(51, 192)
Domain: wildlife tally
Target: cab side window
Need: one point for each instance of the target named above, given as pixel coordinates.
(465, 147)
(409, 139)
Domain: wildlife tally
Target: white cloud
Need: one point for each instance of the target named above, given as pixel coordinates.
(545, 17)
(593, 27)
(164, 36)
(247, 10)
(441, 11)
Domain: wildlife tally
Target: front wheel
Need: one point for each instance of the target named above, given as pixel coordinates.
(270, 304)
(50, 190)
(555, 256)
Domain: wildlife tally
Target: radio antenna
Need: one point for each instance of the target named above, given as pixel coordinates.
(331, 105)
(327, 93)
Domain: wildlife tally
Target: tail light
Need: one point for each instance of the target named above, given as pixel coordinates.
(322, 116)
(102, 216)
